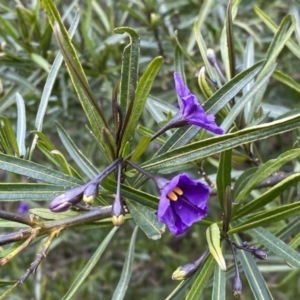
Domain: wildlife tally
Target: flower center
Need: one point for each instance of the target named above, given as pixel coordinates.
(175, 193)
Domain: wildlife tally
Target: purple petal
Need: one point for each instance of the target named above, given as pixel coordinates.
(181, 89)
(175, 225)
(192, 111)
(189, 208)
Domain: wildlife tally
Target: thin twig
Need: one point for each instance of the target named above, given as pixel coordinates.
(33, 235)
(40, 256)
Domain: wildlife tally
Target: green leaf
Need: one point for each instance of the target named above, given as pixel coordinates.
(146, 220)
(287, 80)
(203, 84)
(264, 172)
(141, 95)
(268, 217)
(36, 171)
(276, 245)
(50, 83)
(274, 28)
(10, 138)
(225, 42)
(267, 197)
(219, 284)
(242, 180)
(230, 39)
(229, 90)
(84, 273)
(213, 237)
(140, 148)
(203, 51)
(121, 288)
(199, 150)
(30, 191)
(281, 37)
(202, 279)
(255, 279)
(223, 175)
(246, 99)
(21, 124)
(88, 101)
(179, 62)
(129, 69)
(80, 159)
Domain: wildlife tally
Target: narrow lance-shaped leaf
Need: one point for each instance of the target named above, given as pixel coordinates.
(265, 171)
(89, 266)
(281, 37)
(214, 145)
(276, 245)
(213, 240)
(129, 70)
(223, 175)
(141, 95)
(269, 217)
(268, 196)
(49, 84)
(88, 101)
(146, 220)
(85, 165)
(219, 284)
(273, 26)
(202, 279)
(122, 286)
(21, 124)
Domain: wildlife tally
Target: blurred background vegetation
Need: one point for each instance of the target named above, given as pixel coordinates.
(27, 51)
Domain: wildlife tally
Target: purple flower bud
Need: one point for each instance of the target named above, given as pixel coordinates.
(211, 56)
(182, 202)
(118, 212)
(260, 254)
(90, 193)
(67, 200)
(185, 271)
(237, 286)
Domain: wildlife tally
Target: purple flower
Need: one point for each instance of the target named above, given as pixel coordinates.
(182, 202)
(191, 111)
(23, 207)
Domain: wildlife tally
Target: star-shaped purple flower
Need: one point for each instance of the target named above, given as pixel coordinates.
(191, 111)
(182, 202)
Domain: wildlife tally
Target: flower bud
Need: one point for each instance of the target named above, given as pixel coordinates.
(211, 56)
(66, 200)
(260, 254)
(237, 286)
(90, 193)
(185, 271)
(117, 212)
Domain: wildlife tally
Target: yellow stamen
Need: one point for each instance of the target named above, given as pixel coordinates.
(172, 196)
(178, 191)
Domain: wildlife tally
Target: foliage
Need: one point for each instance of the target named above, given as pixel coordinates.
(84, 84)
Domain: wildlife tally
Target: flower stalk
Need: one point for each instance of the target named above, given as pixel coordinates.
(118, 211)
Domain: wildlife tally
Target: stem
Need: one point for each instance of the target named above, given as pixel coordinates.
(141, 170)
